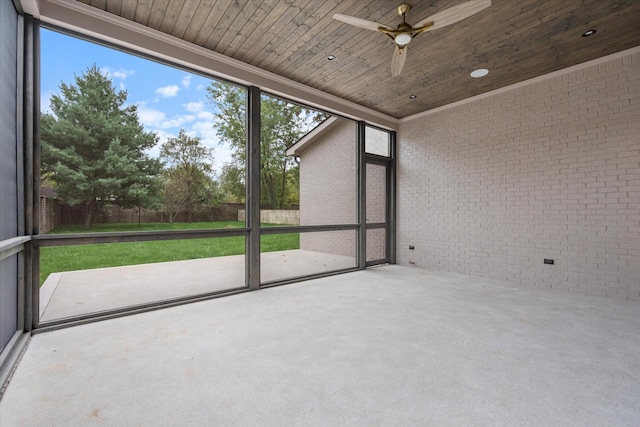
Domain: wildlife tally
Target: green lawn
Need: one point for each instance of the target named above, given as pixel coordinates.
(83, 257)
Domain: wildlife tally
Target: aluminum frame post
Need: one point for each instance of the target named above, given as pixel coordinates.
(362, 196)
(253, 188)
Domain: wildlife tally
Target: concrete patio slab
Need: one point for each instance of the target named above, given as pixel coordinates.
(388, 346)
(80, 292)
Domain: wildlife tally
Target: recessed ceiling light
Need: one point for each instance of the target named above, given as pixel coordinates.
(589, 33)
(480, 72)
(331, 57)
(413, 96)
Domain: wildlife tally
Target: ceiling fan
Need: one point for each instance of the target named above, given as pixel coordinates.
(404, 32)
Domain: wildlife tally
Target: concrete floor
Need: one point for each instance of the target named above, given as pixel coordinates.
(74, 293)
(390, 345)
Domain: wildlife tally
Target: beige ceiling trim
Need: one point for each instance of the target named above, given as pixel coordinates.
(93, 22)
(543, 77)
(30, 7)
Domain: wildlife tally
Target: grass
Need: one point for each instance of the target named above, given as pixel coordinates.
(84, 257)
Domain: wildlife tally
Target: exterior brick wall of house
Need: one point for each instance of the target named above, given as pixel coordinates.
(328, 190)
(376, 208)
(550, 169)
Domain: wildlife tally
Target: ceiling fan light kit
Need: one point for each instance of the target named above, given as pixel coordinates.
(403, 39)
(405, 32)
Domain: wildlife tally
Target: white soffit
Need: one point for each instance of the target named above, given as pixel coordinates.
(98, 24)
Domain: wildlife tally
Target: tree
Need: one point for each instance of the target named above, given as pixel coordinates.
(187, 181)
(232, 182)
(93, 147)
(282, 124)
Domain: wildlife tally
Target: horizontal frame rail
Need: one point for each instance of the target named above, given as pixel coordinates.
(306, 228)
(12, 246)
(132, 236)
(51, 325)
(46, 240)
(376, 159)
(297, 279)
(374, 225)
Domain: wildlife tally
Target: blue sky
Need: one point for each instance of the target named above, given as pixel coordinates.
(168, 98)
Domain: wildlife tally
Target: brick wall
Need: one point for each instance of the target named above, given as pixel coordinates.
(47, 220)
(376, 141)
(328, 190)
(548, 169)
(376, 209)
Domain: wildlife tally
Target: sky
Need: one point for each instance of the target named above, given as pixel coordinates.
(168, 99)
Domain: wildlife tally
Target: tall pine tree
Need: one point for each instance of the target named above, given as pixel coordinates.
(94, 147)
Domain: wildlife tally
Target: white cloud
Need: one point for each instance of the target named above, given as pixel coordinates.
(164, 135)
(186, 81)
(168, 91)
(206, 116)
(194, 107)
(149, 117)
(121, 73)
(198, 107)
(206, 131)
(155, 120)
(177, 122)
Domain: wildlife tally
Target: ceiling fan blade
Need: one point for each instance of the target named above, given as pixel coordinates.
(397, 60)
(359, 22)
(454, 14)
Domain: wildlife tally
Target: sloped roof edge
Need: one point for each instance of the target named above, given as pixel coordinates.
(314, 135)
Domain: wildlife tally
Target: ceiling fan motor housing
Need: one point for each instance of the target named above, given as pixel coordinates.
(403, 9)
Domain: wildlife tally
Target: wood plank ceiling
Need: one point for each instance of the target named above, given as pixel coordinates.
(515, 40)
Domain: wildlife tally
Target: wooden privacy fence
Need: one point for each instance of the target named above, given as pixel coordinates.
(54, 213)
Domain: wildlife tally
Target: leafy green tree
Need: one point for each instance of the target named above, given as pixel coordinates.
(187, 181)
(232, 182)
(283, 124)
(94, 147)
